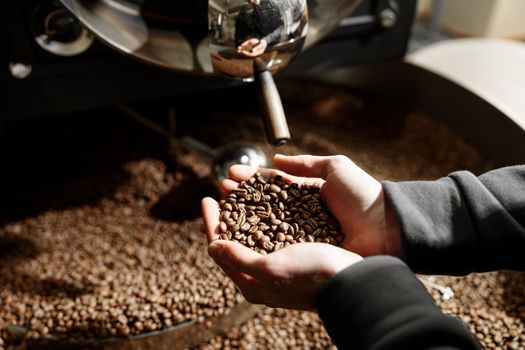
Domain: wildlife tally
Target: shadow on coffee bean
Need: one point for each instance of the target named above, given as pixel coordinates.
(183, 202)
(47, 287)
(14, 248)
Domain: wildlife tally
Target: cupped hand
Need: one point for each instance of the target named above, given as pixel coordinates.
(289, 278)
(354, 197)
(252, 47)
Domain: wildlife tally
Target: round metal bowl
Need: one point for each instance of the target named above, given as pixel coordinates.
(486, 125)
(182, 336)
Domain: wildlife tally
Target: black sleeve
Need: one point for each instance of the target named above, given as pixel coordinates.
(379, 304)
(242, 27)
(274, 25)
(462, 223)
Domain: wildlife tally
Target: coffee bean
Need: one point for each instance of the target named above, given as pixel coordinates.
(283, 226)
(274, 188)
(225, 215)
(268, 246)
(254, 219)
(258, 235)
(276, 222)
(280, 237)
(308, 229)
(265, 239)
(264, 210)
(283, 195)
(278, 246)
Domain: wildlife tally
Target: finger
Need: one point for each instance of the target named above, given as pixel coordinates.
(227, 185)
(237, 257)
(239, 173)
(258, 49)
(210, 216)
(248, 285)
(303, 165)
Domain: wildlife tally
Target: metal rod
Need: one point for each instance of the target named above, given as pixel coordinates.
(195, 145)
(185, 142)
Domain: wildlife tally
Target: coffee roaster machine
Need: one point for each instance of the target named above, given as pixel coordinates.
(59, 57)
(52, 65)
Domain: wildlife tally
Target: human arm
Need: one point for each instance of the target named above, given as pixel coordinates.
(271, 17)
(462, 223)
(379, 304)
(458, 224)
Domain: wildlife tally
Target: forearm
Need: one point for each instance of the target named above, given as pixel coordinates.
(379, 304)
(461, 223)
(275, 36)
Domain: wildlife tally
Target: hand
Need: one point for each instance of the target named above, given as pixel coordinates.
(289, 278)
(355, 199)
(252, 47)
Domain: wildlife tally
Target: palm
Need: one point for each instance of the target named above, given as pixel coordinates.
(355, 208)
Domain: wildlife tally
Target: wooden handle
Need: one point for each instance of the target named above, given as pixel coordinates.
(275, 123)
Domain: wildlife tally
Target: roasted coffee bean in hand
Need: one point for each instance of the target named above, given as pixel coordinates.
(269, 214)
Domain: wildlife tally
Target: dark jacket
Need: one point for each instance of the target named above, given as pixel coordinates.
(261, 21)
(456, 225)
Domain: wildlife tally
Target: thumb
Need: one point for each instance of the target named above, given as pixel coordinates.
(236, 257)
(303, 165)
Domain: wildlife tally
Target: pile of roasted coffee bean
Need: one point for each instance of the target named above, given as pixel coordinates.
(277, 329)
(492, 306)
(268, 214)
(109, 268)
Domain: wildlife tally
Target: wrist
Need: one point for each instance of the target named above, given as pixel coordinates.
(392, 230)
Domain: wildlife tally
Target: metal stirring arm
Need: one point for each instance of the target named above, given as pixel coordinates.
(221, 158)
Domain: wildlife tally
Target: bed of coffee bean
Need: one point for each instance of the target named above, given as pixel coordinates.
(275, 329)
(117, 245)
(109, 270)
(269, 214)
(490, 304)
